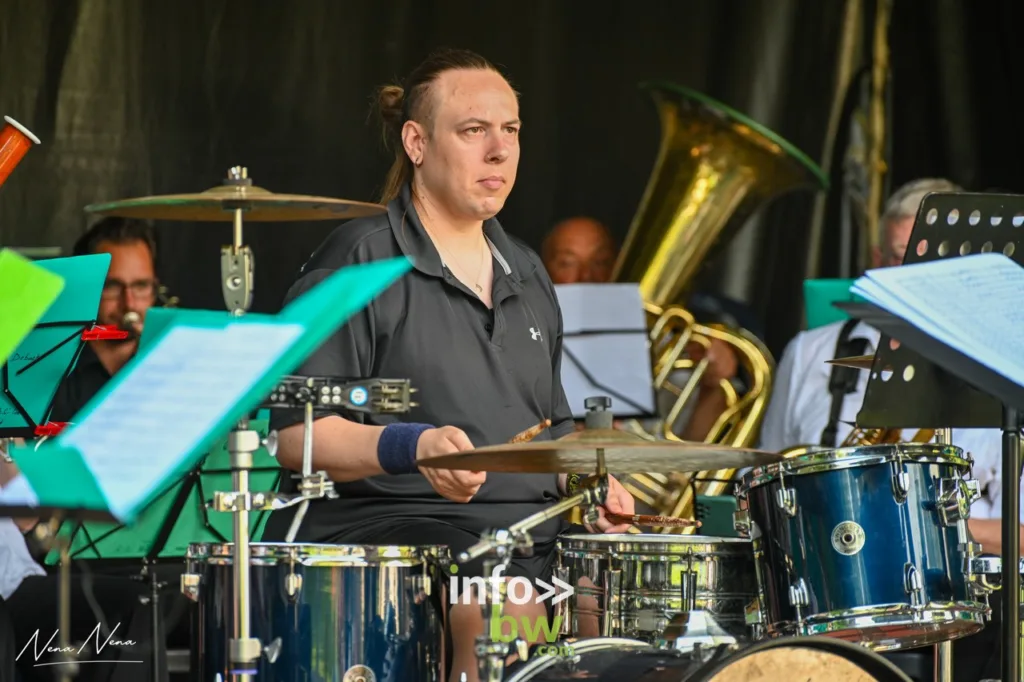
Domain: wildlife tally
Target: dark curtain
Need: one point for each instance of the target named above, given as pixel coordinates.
(134, 98)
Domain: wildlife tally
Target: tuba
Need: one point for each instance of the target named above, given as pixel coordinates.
(715, 168)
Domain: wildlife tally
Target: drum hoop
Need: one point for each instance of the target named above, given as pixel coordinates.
(637, 545)
(537, 664)
(855, 457)
(308, 554)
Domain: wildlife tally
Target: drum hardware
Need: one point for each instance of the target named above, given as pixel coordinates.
(374, 609)
(237, 199)
(844, 503)
(671, 591)
(497, 548)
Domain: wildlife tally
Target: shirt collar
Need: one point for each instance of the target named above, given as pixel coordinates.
(416, 244)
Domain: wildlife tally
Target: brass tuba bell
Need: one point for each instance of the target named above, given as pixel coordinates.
(715, 168)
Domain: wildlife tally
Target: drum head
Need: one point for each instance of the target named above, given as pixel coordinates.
(808, 659)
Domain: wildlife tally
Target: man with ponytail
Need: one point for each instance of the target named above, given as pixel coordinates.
(475, 326)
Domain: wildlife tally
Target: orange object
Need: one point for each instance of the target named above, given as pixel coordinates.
(530, 433)
(104, 333)
(15, 141)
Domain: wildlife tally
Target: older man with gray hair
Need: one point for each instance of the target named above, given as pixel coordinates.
(814, 403)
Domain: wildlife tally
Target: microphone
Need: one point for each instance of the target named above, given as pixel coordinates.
(132, 323)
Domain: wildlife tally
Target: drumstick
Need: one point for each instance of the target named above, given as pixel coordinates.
(651, 520)
(530, 433)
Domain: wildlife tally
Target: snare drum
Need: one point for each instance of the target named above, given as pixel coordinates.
(808, 659)
(635, 586)
(866, 543)
(324, 613)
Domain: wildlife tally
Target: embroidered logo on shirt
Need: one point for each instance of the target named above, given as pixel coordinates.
(535, 334)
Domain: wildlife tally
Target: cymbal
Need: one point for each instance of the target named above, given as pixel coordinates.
(218, 204)
(856, 362)
(624, 453)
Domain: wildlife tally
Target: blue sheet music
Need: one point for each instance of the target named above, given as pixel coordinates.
(79, 302)
(970, 303)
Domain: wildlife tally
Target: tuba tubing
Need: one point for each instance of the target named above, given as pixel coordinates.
(714, 169)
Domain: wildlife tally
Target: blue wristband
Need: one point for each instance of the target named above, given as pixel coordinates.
(396, 449)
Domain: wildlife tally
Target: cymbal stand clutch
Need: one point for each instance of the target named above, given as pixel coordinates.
(236, 261)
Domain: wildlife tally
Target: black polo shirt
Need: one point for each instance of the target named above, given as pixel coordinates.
(491, 372)
(84, 381)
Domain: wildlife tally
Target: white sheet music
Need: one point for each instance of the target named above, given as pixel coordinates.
(166, 403)
(974, 304)
(605, 336)
(18, 493)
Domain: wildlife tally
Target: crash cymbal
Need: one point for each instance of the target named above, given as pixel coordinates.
(856, 362)
(218, 204)
(624, 453)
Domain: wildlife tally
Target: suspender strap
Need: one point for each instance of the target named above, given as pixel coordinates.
(843, 380)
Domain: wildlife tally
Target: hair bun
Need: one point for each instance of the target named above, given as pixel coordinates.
(390, 105)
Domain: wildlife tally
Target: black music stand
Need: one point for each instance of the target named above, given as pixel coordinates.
(19, 363)
(921, 383)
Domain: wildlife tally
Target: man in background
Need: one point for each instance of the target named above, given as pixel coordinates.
(814, 403)
(130, 288)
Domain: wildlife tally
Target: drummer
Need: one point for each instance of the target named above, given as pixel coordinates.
(803, 410)
(475, 326)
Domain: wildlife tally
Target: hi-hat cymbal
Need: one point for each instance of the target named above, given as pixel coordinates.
(219, 203)
(624, 453)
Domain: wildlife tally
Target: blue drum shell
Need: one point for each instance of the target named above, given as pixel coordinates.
(845, 497)
(358, 606)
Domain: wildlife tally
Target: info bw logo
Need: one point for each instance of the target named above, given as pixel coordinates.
(519, 591)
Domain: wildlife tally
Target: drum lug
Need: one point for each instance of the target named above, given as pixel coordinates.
(786, 499)
(900, 481)
(612, 599)
(741, 522)
(912, 580)
(293, 585)
(190, 586)
(798, 595)
(983, 572)
(561, 609)
(954, 502)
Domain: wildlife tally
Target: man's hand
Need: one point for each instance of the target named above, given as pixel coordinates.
(619, 501)
(457, 486)
(722, 361)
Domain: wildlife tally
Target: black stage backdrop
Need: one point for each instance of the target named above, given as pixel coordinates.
(133, 98)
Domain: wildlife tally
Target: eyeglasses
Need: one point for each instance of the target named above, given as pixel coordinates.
(144, 288)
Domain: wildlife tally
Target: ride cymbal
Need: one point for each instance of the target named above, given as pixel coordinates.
(219, 203)
(624, 453)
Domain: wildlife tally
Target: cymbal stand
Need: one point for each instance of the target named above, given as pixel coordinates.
(497, 548)
(944, 650)
(236, 268)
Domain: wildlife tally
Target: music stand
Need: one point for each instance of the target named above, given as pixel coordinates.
(30, 378)
(920, 382)
(605, 348)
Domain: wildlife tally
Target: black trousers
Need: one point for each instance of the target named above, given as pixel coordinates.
(111, 627)
(8, 648)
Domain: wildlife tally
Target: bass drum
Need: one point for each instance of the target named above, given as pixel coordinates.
(808, 659)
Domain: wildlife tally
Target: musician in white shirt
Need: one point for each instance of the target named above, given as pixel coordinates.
(801, 404)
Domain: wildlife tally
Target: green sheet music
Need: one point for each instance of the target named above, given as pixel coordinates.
(151, 423)
(820, 294)
(26, 292)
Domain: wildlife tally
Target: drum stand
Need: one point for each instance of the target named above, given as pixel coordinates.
(497, 548)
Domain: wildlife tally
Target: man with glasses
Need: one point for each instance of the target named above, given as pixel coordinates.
(131, 287)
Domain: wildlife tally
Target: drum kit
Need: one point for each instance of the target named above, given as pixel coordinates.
(840, 553)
